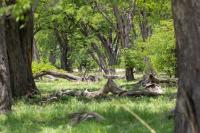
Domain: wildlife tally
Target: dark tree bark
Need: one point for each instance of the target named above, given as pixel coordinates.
(144, 26)
(124, 26)
(19, 42)
(99, 58)
(112, 49)
(65, 61)
(187, 22)
(130, 74)
(5, 90)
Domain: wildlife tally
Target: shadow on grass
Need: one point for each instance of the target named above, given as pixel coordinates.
(26, 123)
(120, 121)
(117, 121)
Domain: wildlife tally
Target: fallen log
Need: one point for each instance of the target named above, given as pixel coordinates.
(113, 76)
(56, 74)
(76, 118)
(150, 89)
(153, 79)
(91, 78)
(168, 81)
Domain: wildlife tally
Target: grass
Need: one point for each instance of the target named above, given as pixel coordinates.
(27, 117)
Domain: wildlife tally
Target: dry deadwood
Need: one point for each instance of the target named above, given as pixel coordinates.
(153, 79)
(50, 77)
(91, 78)
(168, 81)
(54, 75)
(76, 118)
(109, 87)
(113, 76)
(150, 89)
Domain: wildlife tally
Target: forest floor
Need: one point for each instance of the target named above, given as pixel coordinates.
(31, 117)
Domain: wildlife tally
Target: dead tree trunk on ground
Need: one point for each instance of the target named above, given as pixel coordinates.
(151, 89)
(62, 75)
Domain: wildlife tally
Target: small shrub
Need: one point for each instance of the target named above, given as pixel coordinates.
(39, 67)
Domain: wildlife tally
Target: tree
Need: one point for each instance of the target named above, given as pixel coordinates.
(186, 19)
(124, 20)
(5, 90)
(57, 18)
(19, 43)
(63, 40)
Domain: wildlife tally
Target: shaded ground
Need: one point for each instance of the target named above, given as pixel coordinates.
(53, 117)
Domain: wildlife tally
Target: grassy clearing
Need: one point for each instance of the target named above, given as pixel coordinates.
(53, 117)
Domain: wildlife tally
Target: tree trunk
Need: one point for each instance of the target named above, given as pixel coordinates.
(129, 74)
(99, 60)
(62, 38)
(5, 90)
(36, 56)
(187, 22)
(124, 26)
(64, 59)
(19, 42)
(52, 57)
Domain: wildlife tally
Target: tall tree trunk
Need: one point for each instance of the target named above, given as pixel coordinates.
(5, 90)
(107, 59)
(110, 51)
(65, 61)
(187, 28)
(36, 56)
(129, 74)
(124, 26)
(19, 42)
(52, 57)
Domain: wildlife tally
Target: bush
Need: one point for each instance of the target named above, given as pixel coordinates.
(160, 48)
(134, 58)
(39, 67)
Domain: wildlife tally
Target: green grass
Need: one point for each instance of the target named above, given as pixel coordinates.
(28, 117)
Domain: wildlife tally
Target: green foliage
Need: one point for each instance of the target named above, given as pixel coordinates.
(17, 9)
(39, 67)
(70, 16)
(134, 57)
(161, 48)
(46, 42)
